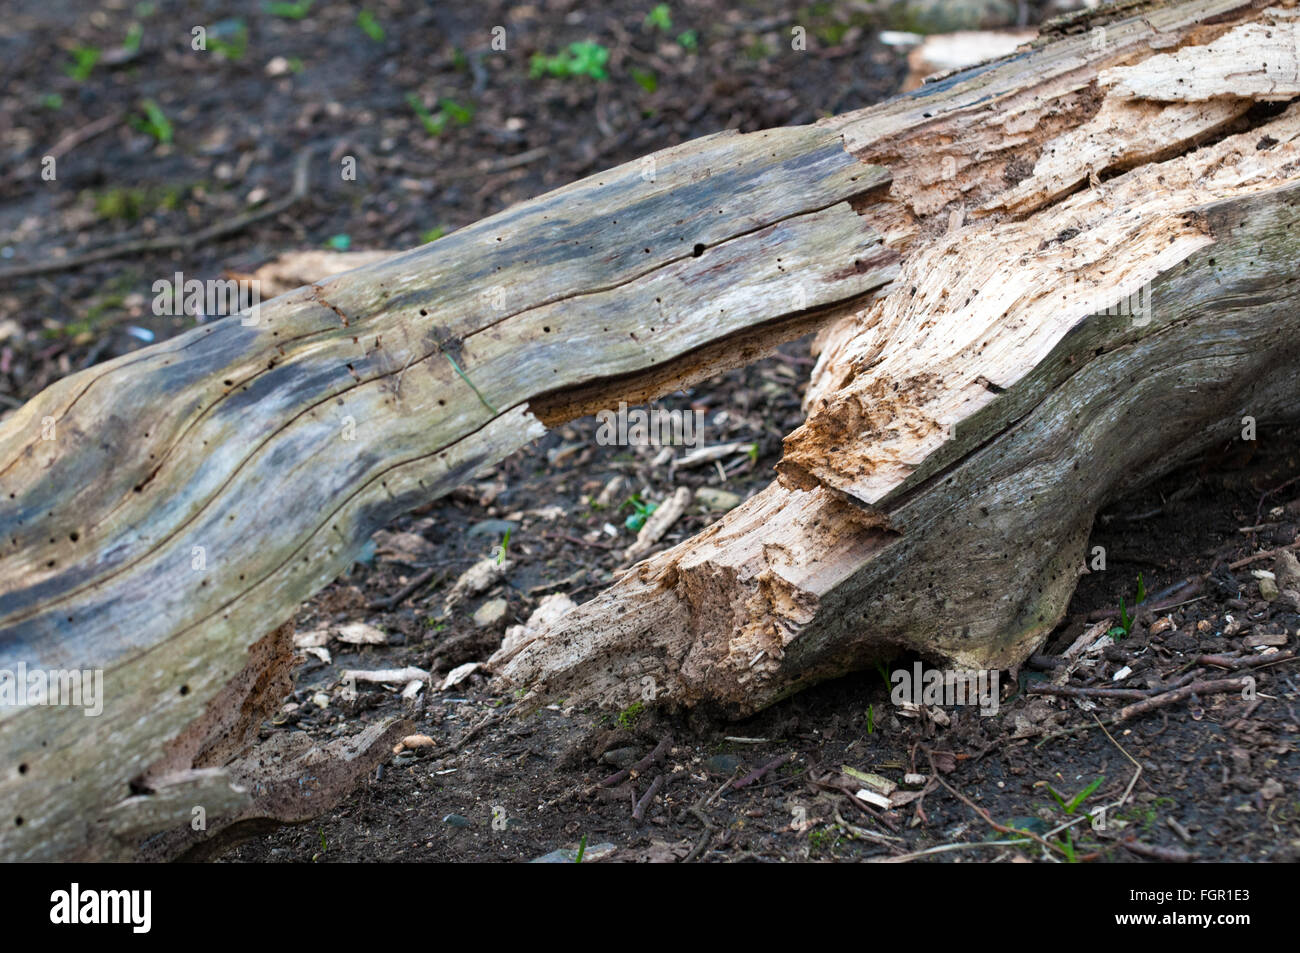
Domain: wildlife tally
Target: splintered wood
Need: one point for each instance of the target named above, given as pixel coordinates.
(1099, 280)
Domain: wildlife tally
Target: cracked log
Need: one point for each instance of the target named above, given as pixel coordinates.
(160, 513)
(1101, 254)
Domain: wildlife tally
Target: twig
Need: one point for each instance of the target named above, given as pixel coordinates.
(1171, 855)
(758, 773)
(87, 132)
(638, 812)
(405, 592)
(473, 733)
(1249, 661)
(698, 811)
(1266, 554)
(172, 242)
(943, 848)
(618, 777)
(1214, 687)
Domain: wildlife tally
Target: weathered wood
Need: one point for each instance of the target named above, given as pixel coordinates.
(1087, 299)
(161, 512)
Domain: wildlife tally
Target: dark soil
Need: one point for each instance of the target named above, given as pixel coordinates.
(1219, 773)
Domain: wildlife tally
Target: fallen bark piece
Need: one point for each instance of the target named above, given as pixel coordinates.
(291, 780)
(477, 579)
(459, 674)
(385, 676)
(359, 633)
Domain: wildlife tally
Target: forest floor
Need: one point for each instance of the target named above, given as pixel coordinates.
(156, 141)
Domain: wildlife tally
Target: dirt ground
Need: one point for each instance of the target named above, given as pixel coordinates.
(1210, 776)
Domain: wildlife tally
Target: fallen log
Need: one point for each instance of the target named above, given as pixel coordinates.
(1101, 250)
(161, 513)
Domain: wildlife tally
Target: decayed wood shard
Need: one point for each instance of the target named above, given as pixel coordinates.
(1114, 293)
(161, 512)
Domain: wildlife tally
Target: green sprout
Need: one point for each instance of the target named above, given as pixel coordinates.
(645, 79)
(642, 512)
(154, 122)
(1126, 621)
(433, 234)
(370, 26)
(229, 38)
(578, 59)
(582, 850)
(289, 11)
(660, 18)
(688, 40)
(448, 111)
(1072, 805)
(133, 37)
(84, 59)
(501, 551)
(871, 719)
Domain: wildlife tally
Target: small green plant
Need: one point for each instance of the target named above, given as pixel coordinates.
(323, 845)
(628, 716)
(84, 59)
(129, 204)
(1067, 845)
(660, 18)
(645, 79)
(370, 26)
(133, 37)
(1126, 621)
(1072, 805)
(154, 121)
(435, 625)
(871, 719)
(229, 39)
(689, 40)
(582, 850)
(289, 11)
(339, 242)
(501, 550)
(460, 115)
(52, 101)
(448, 111)
(641, 512)
(584, 58)
(432, 235)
